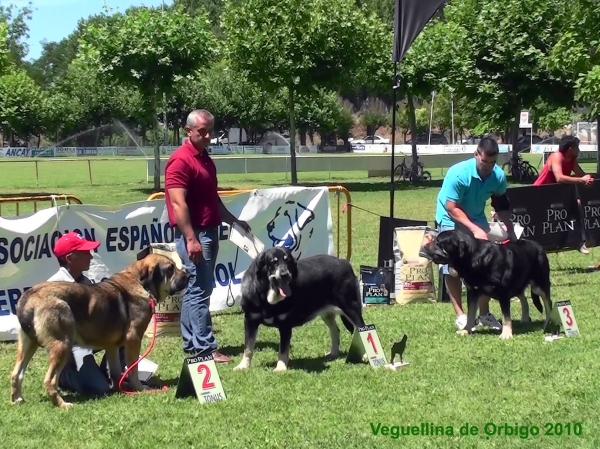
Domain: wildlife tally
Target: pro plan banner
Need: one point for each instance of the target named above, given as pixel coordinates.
(548, 214)
(590, 205)
(294, 217)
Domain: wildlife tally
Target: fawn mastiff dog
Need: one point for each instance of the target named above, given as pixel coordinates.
(106, 315)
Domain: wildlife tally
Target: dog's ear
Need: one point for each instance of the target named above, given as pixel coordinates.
(261, 263)
(292, 264)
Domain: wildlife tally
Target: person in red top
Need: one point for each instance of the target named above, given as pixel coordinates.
(560, 165)
(196, 211)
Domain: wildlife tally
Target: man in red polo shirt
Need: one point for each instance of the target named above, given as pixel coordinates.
(559, 168)
(196, 211)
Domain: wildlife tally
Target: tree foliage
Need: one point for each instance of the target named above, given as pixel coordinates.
(148, 49)
(300, 45)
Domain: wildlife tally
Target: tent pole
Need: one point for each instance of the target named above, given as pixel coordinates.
(393, 164)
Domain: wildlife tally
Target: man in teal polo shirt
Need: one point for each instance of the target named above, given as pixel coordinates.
(467, 187)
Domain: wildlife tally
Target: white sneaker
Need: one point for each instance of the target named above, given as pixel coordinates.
(461, 322)
(490, 321)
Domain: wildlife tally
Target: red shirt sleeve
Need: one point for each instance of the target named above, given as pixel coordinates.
(177, 174)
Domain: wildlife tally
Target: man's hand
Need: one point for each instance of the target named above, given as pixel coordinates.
(245, 226)
(587, 180)
(480, 234)
(194, 250)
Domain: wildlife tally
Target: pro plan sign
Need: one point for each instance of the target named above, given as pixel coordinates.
(590, 204)
(549, 214)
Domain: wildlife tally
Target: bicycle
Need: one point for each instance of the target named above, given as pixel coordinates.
(521, 171)
(405, 173)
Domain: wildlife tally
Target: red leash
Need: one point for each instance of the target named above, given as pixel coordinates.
(124, 376)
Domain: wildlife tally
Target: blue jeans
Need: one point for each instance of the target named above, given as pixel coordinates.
(196, 321)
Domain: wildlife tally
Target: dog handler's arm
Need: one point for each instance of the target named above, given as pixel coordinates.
(455, 190)
(176, 182)
(556, 167)
(229, 218)
(501, 205)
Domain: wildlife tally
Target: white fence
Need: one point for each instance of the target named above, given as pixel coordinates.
(231, 150)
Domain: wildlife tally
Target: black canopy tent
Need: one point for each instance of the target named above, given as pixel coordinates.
(410, 17)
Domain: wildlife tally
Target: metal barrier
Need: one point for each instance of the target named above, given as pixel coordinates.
(337, 189)
(35, 199)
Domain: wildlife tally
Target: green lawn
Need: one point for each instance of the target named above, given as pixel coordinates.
(450, 381)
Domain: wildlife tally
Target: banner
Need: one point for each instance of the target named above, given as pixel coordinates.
(590, 205)
(294, 217)
(549, 214)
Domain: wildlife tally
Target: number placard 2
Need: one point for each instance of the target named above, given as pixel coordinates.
(366, 340)
(567, 317)
(199, 377)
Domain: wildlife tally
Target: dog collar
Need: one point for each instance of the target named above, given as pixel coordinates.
(503, 242)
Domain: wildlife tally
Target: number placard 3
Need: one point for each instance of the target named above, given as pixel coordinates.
(567, 316)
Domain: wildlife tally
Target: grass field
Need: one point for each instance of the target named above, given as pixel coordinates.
(450, 381)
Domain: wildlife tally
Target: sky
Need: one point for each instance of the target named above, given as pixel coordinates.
(53, 20)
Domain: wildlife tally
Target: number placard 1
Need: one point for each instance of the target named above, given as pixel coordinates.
(366, 340)
(199, 377)
(567, 317)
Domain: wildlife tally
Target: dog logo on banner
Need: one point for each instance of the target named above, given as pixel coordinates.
(288, 226)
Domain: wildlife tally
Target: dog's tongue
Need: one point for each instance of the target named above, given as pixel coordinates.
(284, 289)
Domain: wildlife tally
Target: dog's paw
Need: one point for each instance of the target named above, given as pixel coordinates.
(242, 366)
(365, 358)
(506, 335)
(332, 355)
(17, 401)
(462, 333)
(281, 367)
(66, 405)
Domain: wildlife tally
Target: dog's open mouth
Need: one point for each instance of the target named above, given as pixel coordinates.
(281, 283)
(284, 288)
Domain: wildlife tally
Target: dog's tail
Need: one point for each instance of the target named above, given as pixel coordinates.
(535, 298)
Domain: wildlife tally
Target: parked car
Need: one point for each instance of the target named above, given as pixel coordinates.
(436, 139)
(373, 139)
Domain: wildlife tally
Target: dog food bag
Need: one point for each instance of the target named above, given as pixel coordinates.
(376, 285)
(168, 312)
(413, 273)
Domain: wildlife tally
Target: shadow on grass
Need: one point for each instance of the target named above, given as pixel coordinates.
(310, 365)
(576, 270)
(519, 328)
(376, 186)
(32, 194)
(234, 351)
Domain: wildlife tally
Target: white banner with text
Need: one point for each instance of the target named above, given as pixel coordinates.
(298, 218)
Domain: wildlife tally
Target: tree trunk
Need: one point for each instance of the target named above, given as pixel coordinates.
(514, 137)
(412, 120)
(292, 136)
(156, 145)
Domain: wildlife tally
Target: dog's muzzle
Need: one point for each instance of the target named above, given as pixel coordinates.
(281, 281)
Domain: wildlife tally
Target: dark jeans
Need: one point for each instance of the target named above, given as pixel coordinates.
(83, 376)
(196, 321)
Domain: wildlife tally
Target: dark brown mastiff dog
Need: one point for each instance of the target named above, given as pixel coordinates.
(107, 315)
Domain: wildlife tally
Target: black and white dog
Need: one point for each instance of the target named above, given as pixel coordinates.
(280, 292)
(498, 271)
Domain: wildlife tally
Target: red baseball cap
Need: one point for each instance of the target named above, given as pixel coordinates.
(72, 241)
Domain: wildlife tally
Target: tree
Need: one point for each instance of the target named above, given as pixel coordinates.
(21, 105)
(581, 69)
(149, 49)
(3, 47)
(506, 56)
(302, 44)
(17, 31)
